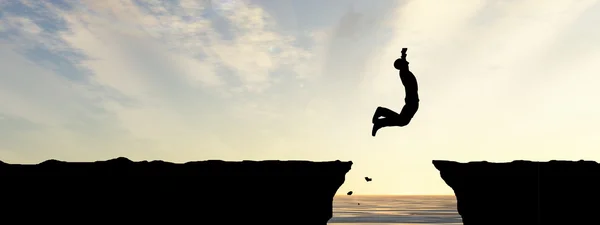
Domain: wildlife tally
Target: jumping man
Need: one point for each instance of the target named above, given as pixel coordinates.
(385, 117)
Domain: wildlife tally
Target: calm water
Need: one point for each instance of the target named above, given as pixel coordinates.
(397, 210)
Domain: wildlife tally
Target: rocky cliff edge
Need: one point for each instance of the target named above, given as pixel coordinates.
(524, 192)
(207, 192)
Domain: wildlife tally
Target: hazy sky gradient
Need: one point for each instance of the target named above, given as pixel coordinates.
(180, 81)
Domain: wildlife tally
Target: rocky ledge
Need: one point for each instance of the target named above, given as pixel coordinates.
(207, 192)
(524, 192)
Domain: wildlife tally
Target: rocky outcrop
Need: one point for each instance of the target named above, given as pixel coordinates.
(524, 192)
(207, 192)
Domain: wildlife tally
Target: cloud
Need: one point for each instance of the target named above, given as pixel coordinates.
(155, 73)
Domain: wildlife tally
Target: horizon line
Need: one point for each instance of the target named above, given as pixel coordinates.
(396, 195)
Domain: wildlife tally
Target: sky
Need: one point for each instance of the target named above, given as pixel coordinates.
(190, 80)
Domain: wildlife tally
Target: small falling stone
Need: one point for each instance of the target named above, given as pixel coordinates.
(349, 193)
(358, 203)
(368, 179)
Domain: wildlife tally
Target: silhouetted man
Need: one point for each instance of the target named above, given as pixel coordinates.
(390, 118)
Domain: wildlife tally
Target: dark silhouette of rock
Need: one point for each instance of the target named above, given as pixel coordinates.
(384, 117)
(524, 192)
(368, 179)
(207, 192)
(350, 193)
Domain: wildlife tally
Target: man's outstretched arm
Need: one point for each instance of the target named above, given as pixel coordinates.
(401, 63)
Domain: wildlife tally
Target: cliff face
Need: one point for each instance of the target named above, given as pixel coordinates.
(208, 192)
(524, 192)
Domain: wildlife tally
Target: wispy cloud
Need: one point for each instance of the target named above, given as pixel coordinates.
(151, 69)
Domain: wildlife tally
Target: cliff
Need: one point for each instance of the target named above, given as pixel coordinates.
(207, 192)
(524, 192)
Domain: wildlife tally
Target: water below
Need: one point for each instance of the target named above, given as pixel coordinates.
(397, 210)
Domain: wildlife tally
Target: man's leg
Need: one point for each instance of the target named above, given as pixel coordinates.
(389, 119)
(408, 112)
(383, 112)
(402, 119)
(383, 122)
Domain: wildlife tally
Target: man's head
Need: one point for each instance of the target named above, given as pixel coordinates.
(400, 64)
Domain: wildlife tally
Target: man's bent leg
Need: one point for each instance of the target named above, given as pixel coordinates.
(383, 112)
(408, 112)
(381, 123)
